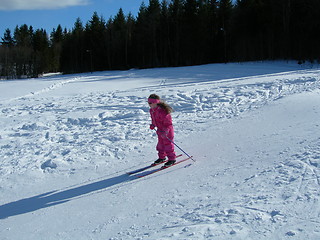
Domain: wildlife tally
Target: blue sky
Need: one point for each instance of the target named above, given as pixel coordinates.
(47, 14)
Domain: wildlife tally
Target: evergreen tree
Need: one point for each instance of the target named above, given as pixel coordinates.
(6, 55)
(153, 31)
(129, 48)
(190, 33)
(41, 59)
(208, 31)
(7, 39)
(175, 21)
(164, 46)
(23, 36)
(140, 40)
(119, 41)
(95, 40)
(224, 14)
(57, 38)
(73, 50)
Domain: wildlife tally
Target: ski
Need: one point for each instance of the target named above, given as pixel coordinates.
(162, 168)
(147, 167)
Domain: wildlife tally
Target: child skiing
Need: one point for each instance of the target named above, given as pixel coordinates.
(160, 113)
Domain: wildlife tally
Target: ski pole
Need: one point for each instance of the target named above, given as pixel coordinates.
(180, 148)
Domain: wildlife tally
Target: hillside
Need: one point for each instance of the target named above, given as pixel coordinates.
(67, 141)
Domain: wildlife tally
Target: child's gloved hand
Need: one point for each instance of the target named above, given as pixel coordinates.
(152, 126)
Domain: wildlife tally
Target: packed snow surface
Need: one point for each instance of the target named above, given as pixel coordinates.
(67, 141)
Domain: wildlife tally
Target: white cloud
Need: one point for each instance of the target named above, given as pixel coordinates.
(39, 4)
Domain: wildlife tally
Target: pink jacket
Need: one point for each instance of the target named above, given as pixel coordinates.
(161, 119)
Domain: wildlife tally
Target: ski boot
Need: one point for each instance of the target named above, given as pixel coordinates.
(160, 160)
(169, 163)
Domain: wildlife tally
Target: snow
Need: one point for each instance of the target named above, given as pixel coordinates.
(67, 141)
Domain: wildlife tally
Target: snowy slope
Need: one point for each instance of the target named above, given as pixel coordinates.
(67, 141)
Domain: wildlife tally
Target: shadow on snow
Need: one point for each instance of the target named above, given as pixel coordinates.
(53, 198)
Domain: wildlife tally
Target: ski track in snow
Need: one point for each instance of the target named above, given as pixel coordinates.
(47, 134)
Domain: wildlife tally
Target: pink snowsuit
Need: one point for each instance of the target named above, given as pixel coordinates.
(163, 121)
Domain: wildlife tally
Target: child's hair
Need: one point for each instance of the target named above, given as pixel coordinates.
(162, 104)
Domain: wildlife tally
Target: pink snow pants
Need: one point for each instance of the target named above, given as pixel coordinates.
(165, 147)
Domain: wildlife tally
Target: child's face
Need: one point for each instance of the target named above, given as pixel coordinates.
(152, 105)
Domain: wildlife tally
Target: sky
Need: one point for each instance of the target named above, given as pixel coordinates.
(48, 14)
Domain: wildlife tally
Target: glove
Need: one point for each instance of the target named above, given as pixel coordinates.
(152, 126)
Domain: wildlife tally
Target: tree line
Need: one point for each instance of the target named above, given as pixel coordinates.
(168, 33)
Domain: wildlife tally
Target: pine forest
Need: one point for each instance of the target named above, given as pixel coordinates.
(168, 34)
